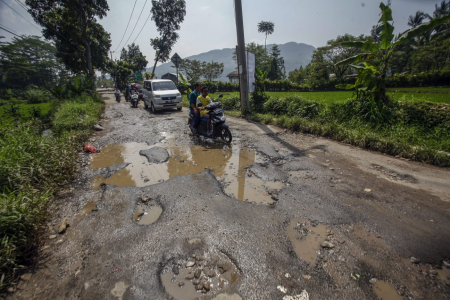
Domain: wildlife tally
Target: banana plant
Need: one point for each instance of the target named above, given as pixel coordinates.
(187, 84)
(373, 63)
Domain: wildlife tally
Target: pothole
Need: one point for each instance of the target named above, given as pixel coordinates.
(306, 238)
(146, 215)
(89, 207)
(444, 273)
(198, 276)
(386, 291)
(228, 164)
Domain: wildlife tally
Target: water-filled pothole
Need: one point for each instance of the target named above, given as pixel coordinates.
(146, 215)
(306, 237)
(89, 207)
(205, 275)
(444, 274)
(229, 166)
(386, 291)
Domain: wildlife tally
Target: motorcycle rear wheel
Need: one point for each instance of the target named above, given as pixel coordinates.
(225, 135)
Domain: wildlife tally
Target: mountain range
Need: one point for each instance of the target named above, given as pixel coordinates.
(294, 54)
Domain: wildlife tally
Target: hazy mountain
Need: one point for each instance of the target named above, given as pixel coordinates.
(295, 55)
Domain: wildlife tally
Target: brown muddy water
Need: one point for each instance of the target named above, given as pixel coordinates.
(200, 276)
(228, 164)
(148, 215)
(386, 291)
(89, 207)
(444, 274)
(306, 239)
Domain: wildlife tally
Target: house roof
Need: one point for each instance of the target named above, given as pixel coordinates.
(233, 74)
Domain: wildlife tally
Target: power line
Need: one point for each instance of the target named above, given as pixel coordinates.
(127, 26)
(9, 31)
(20, 15)
(22, 5)
(136, 23)
(142, 27)
(4, 26)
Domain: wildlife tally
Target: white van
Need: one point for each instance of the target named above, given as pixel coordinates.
(161, 94)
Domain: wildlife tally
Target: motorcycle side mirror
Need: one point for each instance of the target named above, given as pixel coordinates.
(220, 96)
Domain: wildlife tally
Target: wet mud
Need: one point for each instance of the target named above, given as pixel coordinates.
(386, 291)
(229, 165)
(306, 237)
(198, 276)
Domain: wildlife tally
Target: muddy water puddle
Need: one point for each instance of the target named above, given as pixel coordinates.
(200, 276)
(306, 237)
(386, 291)
(147, 215)
(228, 164)
(444, 274)
(89, 207)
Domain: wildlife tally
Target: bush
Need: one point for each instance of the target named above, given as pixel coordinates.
(31, 168)
(20, 215)
(34, 96)
(80, 113)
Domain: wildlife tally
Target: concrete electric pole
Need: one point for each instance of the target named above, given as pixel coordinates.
(242, 56)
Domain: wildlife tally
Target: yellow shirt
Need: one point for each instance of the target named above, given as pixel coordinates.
(204, 102)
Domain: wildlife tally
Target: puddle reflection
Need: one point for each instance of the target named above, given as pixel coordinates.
(229, 166)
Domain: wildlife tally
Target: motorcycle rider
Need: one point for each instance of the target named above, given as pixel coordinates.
(202, 101)
(193, 104)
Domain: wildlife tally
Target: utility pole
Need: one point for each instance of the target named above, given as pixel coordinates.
(242, 56)
(114, 78)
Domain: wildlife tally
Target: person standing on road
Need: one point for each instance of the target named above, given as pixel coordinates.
(193, 104)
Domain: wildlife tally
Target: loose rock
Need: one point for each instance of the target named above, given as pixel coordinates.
(98, 127)
(190, 264)
(197, 273)
(181, 283)
(327, 245)
(282, 289)
(53, 236)
(373, 280)
(175, 270)
(414, 260)
(62, 227)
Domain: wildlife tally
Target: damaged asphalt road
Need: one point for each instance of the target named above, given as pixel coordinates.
(159, 214)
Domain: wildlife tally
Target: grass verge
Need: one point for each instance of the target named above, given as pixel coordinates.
(32, 168)
(416, 131)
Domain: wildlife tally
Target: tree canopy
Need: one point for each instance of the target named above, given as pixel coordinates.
(81, 42)
(168, 15)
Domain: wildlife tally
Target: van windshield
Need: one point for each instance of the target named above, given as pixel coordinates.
(164, 86)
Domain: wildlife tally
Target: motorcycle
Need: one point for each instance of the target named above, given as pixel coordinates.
(134, 99)
(219, 127)
(118, 97)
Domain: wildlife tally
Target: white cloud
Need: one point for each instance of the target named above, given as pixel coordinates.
(205, 8)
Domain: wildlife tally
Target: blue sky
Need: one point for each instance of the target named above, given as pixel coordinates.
(210, 24)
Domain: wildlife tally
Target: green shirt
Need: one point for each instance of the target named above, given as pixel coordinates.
(193, 98)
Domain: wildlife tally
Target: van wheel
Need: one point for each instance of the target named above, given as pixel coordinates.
(145, 105)
(153, 109)
(179, 108)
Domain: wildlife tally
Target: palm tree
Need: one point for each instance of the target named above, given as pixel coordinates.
(267, 27)
(442, 9)
(417, 19)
